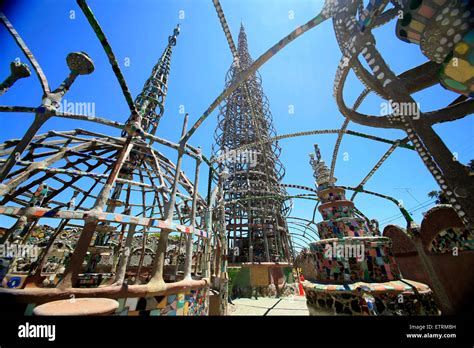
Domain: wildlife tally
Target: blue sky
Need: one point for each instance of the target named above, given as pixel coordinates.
(301, 76)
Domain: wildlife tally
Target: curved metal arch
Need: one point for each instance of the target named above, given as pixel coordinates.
(298, 241)
(300, 246)
(31, 58)
(404, 212)
(307, 226)
(303, 233)
(304, 225)
(324, 131)
(378, 165)
(303, 238)
(110, 54)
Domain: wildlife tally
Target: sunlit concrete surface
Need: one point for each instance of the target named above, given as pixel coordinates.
(292, 306)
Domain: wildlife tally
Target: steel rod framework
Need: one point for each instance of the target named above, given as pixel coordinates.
(255, 202)
(125, 185)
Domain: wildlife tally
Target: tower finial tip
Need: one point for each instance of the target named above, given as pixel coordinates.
(242, 27)
(172, 38)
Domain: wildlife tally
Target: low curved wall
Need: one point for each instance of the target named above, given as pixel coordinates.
(452, 267)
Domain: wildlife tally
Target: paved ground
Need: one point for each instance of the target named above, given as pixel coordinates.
(293, 305)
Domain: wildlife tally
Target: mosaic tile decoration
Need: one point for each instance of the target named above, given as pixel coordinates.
(417, 15)
(366, 299)
(443, 29)
(390, 286)
(331, 195)
(438, 40)
(352, 272)
(338, 214)
(335, 210)
(192, 303)
(376, 265)
(343, 227)
(197, 302)
(367, 14)
(91, 280)
(103, 217)
(14, 281)
(457, 73)
(451, 238)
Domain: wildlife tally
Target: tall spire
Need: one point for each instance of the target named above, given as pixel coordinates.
(255, 201)
(242, 35)
(150, 105)
(243, 49)
(150, 102)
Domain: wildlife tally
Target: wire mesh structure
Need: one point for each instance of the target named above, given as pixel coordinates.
(255, 201)
(123, 213)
